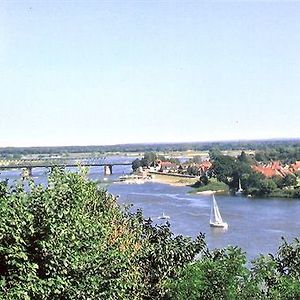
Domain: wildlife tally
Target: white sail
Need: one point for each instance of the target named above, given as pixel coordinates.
(240, 190)
(215, 216)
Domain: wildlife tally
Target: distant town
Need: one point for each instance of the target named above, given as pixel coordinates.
(252, 173)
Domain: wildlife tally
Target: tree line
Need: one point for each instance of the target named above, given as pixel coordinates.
(263, 145)
(150, 158)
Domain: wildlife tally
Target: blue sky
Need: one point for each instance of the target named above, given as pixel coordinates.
(107, 72)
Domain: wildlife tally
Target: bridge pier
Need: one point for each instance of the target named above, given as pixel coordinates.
(107, 170)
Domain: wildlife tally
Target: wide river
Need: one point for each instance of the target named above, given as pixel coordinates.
(255, 224)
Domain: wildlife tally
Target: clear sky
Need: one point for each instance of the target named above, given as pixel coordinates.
(107, 72)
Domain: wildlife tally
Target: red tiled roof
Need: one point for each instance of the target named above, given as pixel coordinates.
(272, 169)
(167, 164)
(206, 164)
(266, 171)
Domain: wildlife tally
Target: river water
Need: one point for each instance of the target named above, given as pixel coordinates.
(255, 224)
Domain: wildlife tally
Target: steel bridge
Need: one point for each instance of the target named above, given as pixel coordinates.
(26, 165)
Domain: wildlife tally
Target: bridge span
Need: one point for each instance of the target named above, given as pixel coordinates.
(27, 165)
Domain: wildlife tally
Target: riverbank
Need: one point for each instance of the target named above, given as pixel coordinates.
(173, 180)
(212, 187)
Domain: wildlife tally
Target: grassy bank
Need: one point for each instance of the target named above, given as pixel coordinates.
(286, 193)
(213, 185)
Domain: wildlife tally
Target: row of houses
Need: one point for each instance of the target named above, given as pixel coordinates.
(169, 167)
(271, 169)
(277, 169)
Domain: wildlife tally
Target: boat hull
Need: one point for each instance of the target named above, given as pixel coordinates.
(219, 225)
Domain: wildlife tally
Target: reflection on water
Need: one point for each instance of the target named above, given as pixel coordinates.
(256, 225)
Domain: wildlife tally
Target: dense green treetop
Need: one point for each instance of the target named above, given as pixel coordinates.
(222, 274)
(286, 154)
(71, 240)
(150, 158)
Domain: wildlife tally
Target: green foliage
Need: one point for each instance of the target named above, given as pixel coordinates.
(287, 181)
(217, 275)
(71, 240)
(286, 154)
(136, 164)
(4, 188)
(292, 146)
(192, 170)
(296, 193)
(212, 185)
(149, 159)
(267, 186)
(164, 256)
(229, 169)
(245, 158)
(67, 241)
(279, 275)
(196, 159)
(255, 184)
(222, 274)
(204, 179)
(224, 167)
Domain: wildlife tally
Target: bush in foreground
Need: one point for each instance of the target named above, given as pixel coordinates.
(222, 274)
(73, 241)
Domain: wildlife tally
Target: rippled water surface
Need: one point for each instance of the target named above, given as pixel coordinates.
(256, 225)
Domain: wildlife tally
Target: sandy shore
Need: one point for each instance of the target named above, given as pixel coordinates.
(156, 180)
(167, 182)
(172, 180)
(209, 192)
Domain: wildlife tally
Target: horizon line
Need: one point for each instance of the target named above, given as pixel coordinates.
(163, 143)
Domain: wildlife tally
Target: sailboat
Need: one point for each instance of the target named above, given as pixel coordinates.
(240, 190)
(163, 216)
(215, 216)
